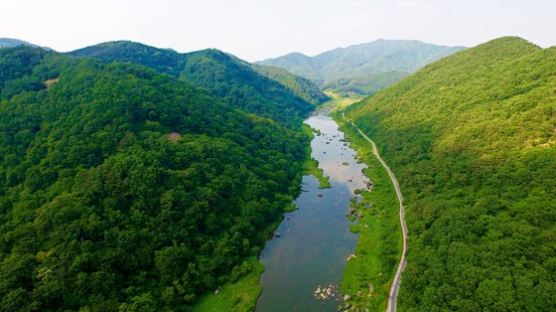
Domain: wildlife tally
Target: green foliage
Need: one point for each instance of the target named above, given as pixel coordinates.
(366, 84)
(163, 61)
(471, 139)
(238, 83)
(19, 71)
(368, 276)
(339, 101)
(100, 210)
(239, 295)
(12, 43)
(300, 86)
(312, 168)
(240, 86)
(311, 165)
(364, 68)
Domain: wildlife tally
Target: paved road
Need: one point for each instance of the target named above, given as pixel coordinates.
(393, 296)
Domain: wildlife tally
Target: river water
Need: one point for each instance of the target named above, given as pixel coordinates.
(315, 240)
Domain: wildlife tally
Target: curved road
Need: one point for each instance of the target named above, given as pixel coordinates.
(393, 296)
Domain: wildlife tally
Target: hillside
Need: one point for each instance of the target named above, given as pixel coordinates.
(225, 76)
(122, 189)
(302, 87)
(472, 140)
(12, 43)
(364, 68)
(161, 60)
(240, 86)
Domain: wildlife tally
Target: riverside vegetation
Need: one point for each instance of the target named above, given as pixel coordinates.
(240, 294)
(369, 273)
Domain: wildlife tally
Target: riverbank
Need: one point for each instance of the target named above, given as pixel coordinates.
(311, 165)
(304, 263)
(369, 270)
(369, 273)
(241, 295)
(237, 296)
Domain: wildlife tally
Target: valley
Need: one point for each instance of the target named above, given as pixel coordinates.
(137, 179)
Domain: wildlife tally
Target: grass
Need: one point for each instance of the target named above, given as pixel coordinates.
(368, 275)
(311, 165)
(240, 296)
(339, 101)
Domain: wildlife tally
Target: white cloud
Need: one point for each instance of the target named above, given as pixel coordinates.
(406, 3)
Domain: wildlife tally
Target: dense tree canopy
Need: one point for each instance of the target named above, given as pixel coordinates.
(240, 86)
(472, 140)
(125, 189)
(280, 96)
(302, 87)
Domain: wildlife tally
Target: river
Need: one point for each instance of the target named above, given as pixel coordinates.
(315, 240)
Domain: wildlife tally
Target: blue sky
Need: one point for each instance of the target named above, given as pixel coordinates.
(259, 29)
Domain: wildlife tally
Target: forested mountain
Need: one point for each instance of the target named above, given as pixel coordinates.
(162, 60)
(303, 87)
(364, 68)
(240, 86)
(12, 43)
(223, 75)
(123, 189)
(472, 140)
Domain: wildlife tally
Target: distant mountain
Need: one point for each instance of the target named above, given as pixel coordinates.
(252, 88)
(364, 68)
(11, 43)
(472, 140)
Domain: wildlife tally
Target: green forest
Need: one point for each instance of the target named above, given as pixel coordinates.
(134, 178)
(126, 189)
(266, 91)
(472, 141)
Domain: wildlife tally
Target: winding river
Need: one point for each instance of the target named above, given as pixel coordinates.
(314, 241)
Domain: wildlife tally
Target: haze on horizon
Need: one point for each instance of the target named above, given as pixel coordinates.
(256, 30)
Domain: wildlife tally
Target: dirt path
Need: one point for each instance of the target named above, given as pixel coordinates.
(393, 296)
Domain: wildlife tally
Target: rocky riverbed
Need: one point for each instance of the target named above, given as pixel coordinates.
(305, 262)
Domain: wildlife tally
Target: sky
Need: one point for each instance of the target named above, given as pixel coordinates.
(260, 29)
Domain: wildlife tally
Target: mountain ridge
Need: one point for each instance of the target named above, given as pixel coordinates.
(362, 68)
(221, 68)
(12, 42)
